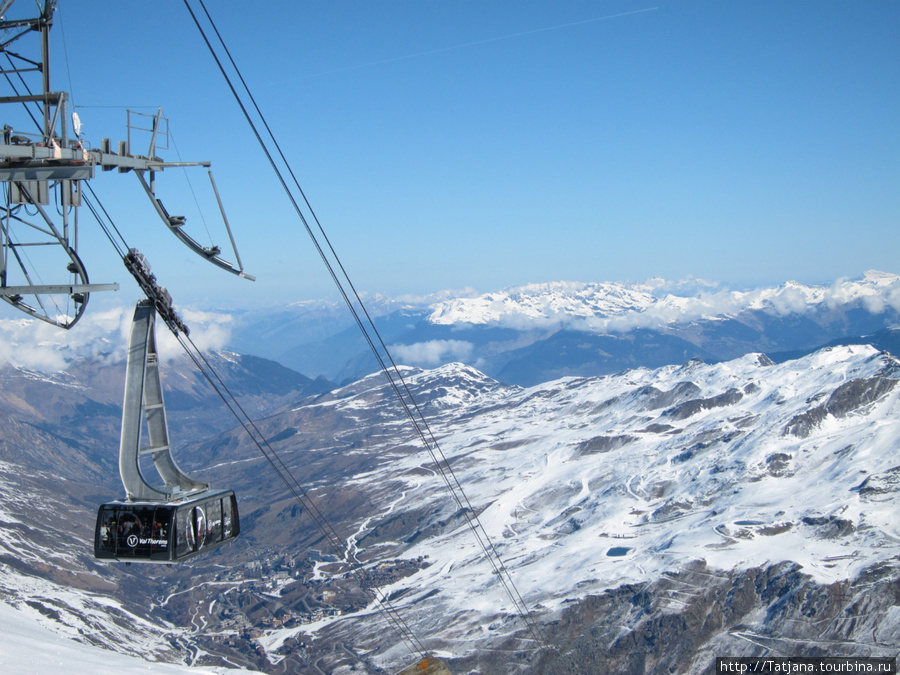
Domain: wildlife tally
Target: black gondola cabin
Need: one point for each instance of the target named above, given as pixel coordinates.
(165, 532)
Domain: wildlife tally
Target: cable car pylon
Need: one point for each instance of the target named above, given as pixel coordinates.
(44, 164)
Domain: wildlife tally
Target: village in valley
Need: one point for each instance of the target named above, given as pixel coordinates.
(273, 592)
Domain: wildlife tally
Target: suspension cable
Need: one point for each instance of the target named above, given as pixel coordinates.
(370, 333)
(299, 493)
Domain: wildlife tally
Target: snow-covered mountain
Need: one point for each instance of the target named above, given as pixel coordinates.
(651, 520)
(540, 332)
(537, 304)
(657, 303)
(587, 485)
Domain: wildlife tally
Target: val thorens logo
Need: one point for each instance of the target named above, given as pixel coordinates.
(132, 540)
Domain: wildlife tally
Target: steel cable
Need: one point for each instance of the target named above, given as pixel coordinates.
(300, 494)
(376, 343)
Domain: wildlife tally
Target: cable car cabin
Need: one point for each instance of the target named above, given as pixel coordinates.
(166, 532)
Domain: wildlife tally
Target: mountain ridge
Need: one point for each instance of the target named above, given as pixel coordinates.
(623, 505)
(569, 302)
(513, 334)
(705, 445)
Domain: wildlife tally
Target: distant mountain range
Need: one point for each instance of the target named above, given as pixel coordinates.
(535, 333)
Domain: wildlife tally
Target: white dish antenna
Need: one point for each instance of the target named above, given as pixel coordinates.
(76, 124)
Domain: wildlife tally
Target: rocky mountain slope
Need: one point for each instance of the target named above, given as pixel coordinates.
(666, 490)
(747, 504)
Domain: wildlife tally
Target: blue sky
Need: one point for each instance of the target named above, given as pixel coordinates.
(458, 144)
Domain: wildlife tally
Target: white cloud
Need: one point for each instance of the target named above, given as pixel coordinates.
(100, 334)
(432, 353)
(893, 298)
(210, 331)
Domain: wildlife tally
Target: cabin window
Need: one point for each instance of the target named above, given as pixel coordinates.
(214, 521)
(134, 531)
(227, 517)
(106, 536)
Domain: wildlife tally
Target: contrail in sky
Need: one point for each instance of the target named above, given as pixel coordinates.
(481, 42)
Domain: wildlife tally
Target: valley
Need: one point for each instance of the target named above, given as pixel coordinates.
(749, 502)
